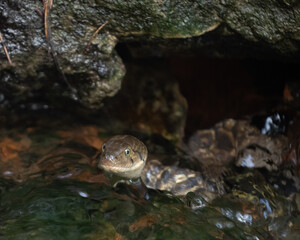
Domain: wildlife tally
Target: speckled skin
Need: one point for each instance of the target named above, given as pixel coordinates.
(176, 180)
(228, 142)
(114, 157)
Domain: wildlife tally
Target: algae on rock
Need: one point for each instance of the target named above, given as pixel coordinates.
(97, 73)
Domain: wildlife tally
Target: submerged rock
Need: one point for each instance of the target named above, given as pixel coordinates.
(237, 141)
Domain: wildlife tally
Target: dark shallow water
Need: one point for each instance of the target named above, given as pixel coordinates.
(50, 188)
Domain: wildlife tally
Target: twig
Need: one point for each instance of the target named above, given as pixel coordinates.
(5, 49)
(47, 6)
(94, 35)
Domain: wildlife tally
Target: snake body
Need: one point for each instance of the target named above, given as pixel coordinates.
(230, 142)
(126, 156)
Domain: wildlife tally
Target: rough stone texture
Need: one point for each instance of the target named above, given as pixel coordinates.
(97, 74)
(237, 141)
(275, 23)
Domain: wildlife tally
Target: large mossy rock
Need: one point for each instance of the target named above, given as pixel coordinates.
(98, 72)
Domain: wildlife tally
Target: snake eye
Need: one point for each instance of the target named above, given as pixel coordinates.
(103, 147)
(127, 152)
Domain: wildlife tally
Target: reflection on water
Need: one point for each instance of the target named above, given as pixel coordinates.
(50, 188)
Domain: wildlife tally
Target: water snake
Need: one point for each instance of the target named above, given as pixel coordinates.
(230, 142)
(126, 156)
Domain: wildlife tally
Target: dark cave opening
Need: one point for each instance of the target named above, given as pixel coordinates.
(220, 88)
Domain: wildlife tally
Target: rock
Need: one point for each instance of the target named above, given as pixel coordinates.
(236, 141)
(274, 22)
(97, 73)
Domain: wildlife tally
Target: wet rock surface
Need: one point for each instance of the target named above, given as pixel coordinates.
(50, 138)
(53, 171)
(97, 73)
(274, 23)
(237, 140)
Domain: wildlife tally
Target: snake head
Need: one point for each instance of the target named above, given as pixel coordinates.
(124, 156)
